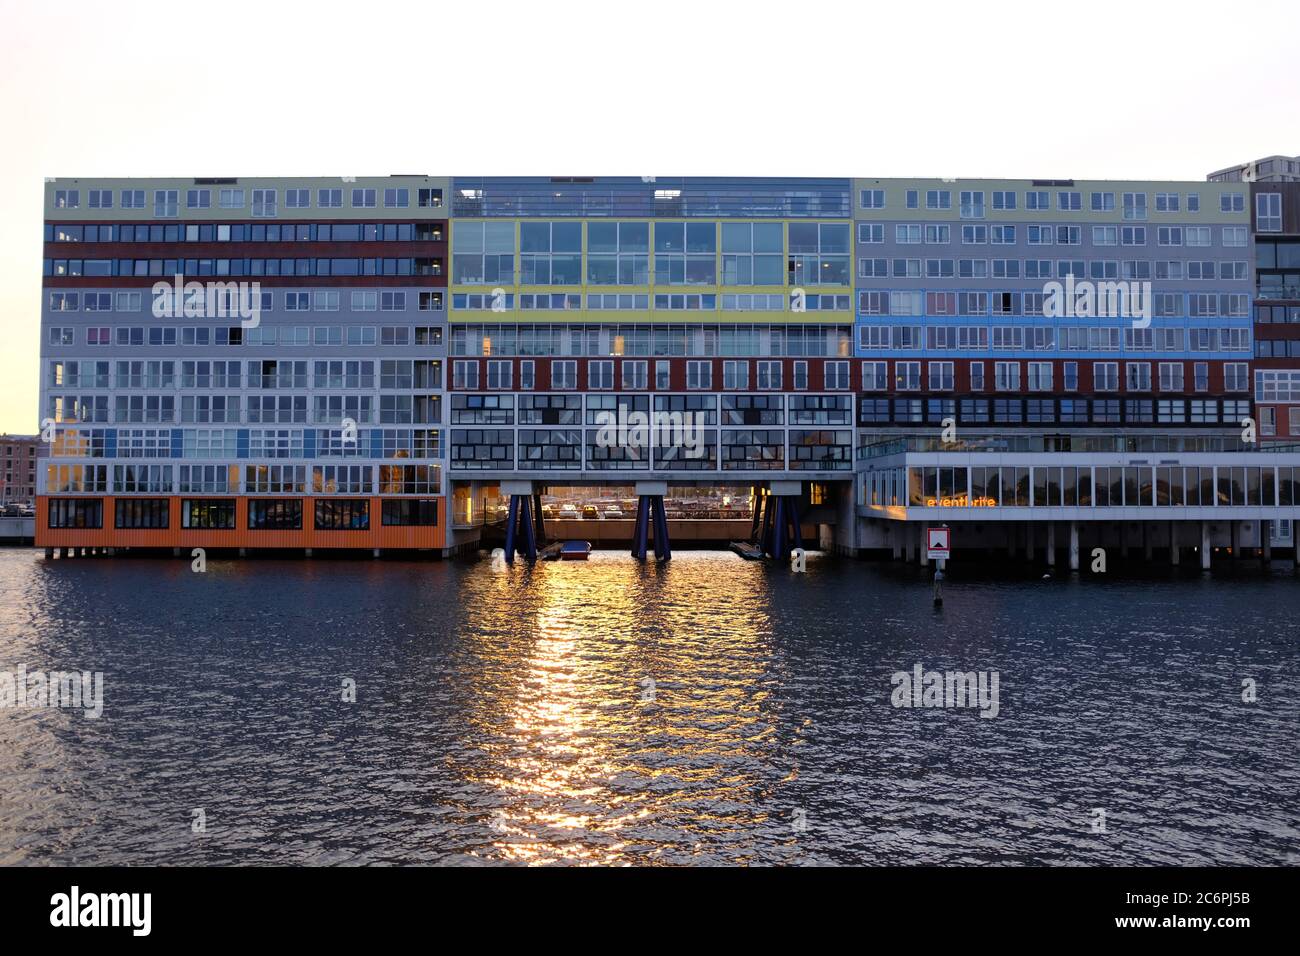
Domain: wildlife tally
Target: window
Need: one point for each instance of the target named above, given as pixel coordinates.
(166, 203)
(329, 198)
(564, 375)
(600, 375)
(836, 375)
(1040, 376)
(1232, 202)
(907, 376)
(142, 513)
(464, 375)
(699, 375)
(769, 375)
(1268, 212)
(635, 375)
(230, 198)
(500, 373)
(1006, 376)
(1138, 376)
(1105, 376)
(297, 198)
(342, 514)
(208, 513)
(1236, 377)
(363, 198)
(264, 202)
(735, 375)
(411, 512)
(198, 199)
(941, 376)
(275, 514)
(397, 198)
(76, 513)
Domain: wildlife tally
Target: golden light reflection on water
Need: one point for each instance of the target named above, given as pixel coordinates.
(589, 761)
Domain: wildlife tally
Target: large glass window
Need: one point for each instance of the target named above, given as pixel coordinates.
(550, 253)
(752, 253)
(618, 253)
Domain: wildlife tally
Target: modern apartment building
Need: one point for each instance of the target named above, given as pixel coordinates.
(18, 454)
(1015, 358)
(290, 398)
(1271, 169)
(1275, 209)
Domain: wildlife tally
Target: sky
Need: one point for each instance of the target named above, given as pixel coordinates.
(1104, 90)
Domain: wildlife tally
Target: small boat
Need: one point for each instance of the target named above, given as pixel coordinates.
(551, 552)
(575, 550)
(747, 550)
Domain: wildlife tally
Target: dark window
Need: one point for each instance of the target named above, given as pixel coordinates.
(342, 514)
(76, 513)
(421, 512)
(275, 514)
(208, 513)
(142, 513)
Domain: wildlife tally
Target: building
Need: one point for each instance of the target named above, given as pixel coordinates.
(1047, 366)
(290, 398)
(1271, 169)
(18, 454)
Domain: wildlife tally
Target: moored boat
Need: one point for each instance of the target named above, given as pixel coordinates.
(575, 550)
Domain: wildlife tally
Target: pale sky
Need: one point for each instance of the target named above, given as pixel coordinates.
(1104, 90)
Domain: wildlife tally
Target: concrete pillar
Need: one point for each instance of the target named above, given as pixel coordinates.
(1205, 546)
(1011, 539)
(1148, 543)
(909, 541)
(1074, 546)
(376, 553)
(1051, 544)
(306, 552)
(1029, 541)
(896, 540)
(82, 553)
(1265, 543)
(1174, 556)
(1232, 538)
(49, 554)
(176, 552)
(243, 552)
(921, 549)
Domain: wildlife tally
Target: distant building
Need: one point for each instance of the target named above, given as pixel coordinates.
(18, 469)
(1271, 169)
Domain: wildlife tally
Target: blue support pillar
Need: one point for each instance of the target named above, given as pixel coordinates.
(528, 544)
(765, 541)
(642, 525)
(663, 549)
(779, 549)
(797, 536)
(512, 516)
(537, 516)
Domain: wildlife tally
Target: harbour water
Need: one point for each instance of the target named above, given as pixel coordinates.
(709, 711)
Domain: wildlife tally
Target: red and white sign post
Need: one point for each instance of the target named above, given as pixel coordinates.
(938, 543)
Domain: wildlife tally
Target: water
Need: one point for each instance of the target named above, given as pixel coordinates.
(500, 716)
